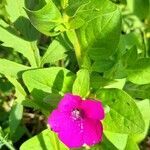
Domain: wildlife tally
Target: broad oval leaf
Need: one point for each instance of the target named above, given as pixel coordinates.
(99, 35)
(54, 79)
(124, 115)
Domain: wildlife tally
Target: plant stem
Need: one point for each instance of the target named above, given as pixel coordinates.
(74, 40)
(9, 146)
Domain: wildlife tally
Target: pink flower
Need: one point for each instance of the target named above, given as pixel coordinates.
(77, 121)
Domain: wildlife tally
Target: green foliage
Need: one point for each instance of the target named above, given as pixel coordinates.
(98, 49)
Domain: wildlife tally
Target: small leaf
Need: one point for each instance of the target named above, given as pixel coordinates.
(82, 83)
(55, 52)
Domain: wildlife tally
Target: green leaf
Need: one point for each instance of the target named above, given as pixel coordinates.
(102, 65)
(45, 140)
(37, 104)
(15, 9)
(104, 145)
(81, 85)
(130, 57)
(139, 7)
(49, 79)
(15, 117)
(144, 107)
(139, 73)
(18, 17)
(131, 144)
(19, 91)
(10, 39)
(55, 52)
(117, 139)
(124, 115)
(99, 36)
(138, 91)
(10, 68)
(46, 19)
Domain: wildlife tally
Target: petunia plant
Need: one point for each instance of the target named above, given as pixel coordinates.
(81, 74)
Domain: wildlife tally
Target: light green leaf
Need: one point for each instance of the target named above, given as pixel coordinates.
(131, 144)
(15, 9)
(124, 115)
(117, 83)
(144, 107)
(81, 85)
(46, 140)
(19, 91)
(49, 79)
(139, 73)
(117, 139)
(15, 117)
(10, 68)
(100, 33)
(46, 19)
(20, 45)
(18, 17)
(55, 52)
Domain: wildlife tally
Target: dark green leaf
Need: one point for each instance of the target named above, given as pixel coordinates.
(15, 117)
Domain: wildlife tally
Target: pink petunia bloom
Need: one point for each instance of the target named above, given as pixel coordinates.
(77, 121)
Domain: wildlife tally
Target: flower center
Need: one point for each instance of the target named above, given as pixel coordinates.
(76, 114)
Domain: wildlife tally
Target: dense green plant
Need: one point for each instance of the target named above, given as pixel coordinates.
(93, 48)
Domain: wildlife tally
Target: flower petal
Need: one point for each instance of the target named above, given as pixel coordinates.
(93, 131)
(69, 102)
(71, 134)
(56, 120)
(93, 109)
